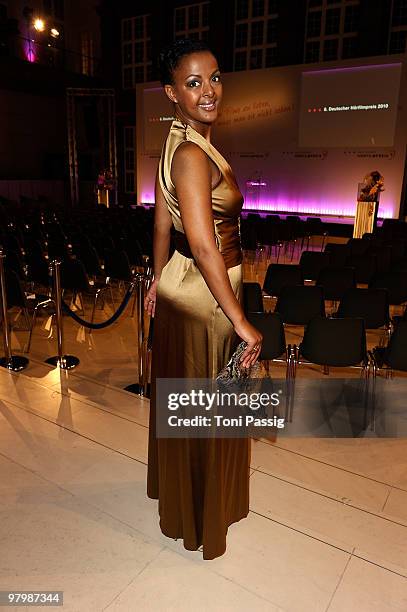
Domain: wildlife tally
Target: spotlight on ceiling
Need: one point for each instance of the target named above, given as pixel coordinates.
(54, 32)
(39, 25)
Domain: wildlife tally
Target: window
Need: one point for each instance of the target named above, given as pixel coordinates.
(314, 24)
(240, 60)
(351, 23)
(192, 21)
(257, 8)
(127, 78)
(241, 35)
(128, 54)
(129, 159)
(139, 74)
(271, 56)
(331, 49)
(312, 51)
(242, 9)
(399, 12)
(257, 33)
(349, 47)
(332, 21)
(139, 28)
(205, 14)
(256, 59)
(180, 19)
(193, 17)
(136, 50)
(272, 31)
(398, 42)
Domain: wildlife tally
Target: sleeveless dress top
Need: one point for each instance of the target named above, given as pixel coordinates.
(227, 201)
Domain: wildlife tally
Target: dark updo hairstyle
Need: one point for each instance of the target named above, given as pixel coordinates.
(170, 56)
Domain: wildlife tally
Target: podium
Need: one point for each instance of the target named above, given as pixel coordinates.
(365, 218)
(103, 196)
(367, 207)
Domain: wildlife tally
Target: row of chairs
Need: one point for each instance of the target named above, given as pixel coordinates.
(330, 342)
(335, 280)
(299, 304)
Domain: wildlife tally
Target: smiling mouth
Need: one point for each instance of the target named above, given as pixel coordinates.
(208, 107)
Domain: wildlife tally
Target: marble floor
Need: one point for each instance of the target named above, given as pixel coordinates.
(327, 528)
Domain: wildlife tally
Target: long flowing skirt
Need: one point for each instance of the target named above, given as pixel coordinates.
(202, 484)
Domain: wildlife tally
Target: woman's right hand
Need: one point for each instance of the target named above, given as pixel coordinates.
(246, 331)
(150, 299)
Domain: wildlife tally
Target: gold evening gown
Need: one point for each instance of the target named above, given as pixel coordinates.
(202, 484)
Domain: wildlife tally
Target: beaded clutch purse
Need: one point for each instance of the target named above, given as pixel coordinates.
(234, 373)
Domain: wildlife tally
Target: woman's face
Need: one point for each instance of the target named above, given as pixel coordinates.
(197, 88)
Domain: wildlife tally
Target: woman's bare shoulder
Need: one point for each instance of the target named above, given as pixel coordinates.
(189, 156)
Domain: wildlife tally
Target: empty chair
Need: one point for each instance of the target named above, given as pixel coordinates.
(357, 246)
(365, 267)
(274, 346)
(298, 304)
(280, 275)
(313, 226)
(371, 305)
(89, 257)
(75, 279)
(16, 297)
(334, 343)
(14, 261)
(252, 298)
(335, 281)
(383, 257)
(395, 281)
(312, 262)
(394, 356)
(117, 265)
(338, 253)
(248, 235)
(271, 327)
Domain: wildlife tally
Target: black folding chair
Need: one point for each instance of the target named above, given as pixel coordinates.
(280, 275)
(334, 343)
(312, 262)
(394, 356)
(371, 305)
(298, 304)
(335, 281)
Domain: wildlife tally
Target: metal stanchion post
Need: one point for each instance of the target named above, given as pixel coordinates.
(65, 362)
(142, 388)
(10, 361)
(147, 345)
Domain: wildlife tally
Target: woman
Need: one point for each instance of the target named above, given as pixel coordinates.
(202, 484)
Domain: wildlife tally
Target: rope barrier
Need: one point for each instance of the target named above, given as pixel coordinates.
(106, 323)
